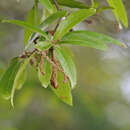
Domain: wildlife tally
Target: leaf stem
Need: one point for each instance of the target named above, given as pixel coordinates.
(59, 9)
(56, 4)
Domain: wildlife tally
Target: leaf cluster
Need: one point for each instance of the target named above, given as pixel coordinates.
(48, 35)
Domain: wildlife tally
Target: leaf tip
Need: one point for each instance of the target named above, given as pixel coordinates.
(126, 25)
(73, 85)
(5, 96)
(12, 103)
(124, 45)
(70, 103)
(1, 21)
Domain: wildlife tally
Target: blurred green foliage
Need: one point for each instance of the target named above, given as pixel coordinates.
(98, 100)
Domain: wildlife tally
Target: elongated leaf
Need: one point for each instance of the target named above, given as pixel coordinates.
(48, 5)
(45, 14)
(67, 64)
(43, 45)
(119, 11)
(45, 79)
(32, 28)
(84, 37)
(7, 81)
(18, 83)
(37, 18)
(33, 18)
(64, 90)
(88, 43)
(73, 19)
(52, 18)
(72, 4)
(27, 32)
(20, 77)
(102, 9)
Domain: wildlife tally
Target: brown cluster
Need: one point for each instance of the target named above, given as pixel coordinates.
(40, 61)
(55, 67)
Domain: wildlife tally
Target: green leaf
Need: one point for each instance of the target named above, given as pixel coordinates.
(88, 43)
(73, 4)
(43, 45)
(20, 77)
(119, 11)
(64, 90)
(18, 84)
(67, 64)
(52, 18)
(45, 14)
(102, 9)
(73, 19)
(8, 78)
(27, 32)
(33, 18)
(94, 4)
(90, 39)
(26, 25)
(45, 79)
(48, 5)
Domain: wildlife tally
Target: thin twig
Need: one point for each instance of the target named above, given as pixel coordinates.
(36, 39)
(58, 23)
(59, 9)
